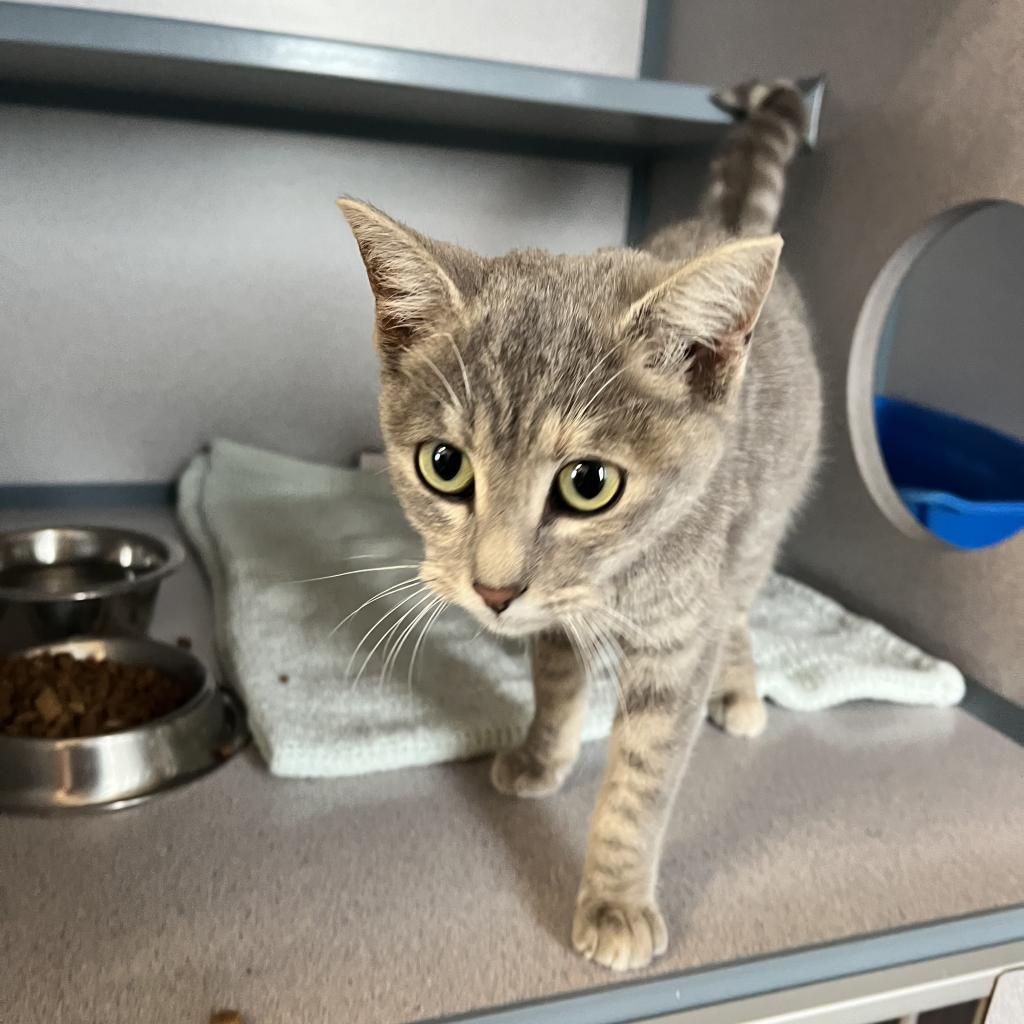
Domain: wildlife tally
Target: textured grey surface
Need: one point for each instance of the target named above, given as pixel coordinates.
(422, 893)
(922, 112)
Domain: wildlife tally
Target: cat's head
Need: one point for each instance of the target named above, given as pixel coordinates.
(547, 417)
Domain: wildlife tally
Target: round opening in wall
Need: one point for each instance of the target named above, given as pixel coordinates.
(936, 379)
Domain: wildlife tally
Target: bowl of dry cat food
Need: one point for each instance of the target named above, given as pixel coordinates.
(108, 722)
(57, 582)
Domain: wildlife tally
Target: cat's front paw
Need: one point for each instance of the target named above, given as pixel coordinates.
(739, 714)
(519, 772)
(619, 934)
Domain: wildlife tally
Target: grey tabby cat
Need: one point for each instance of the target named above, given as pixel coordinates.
(601, 453)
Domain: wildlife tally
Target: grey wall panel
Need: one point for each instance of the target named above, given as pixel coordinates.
(957, 339)
(922, 112)
(162, 283)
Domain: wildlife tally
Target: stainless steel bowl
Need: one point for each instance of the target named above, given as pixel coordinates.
(123, 768)
(66, 581)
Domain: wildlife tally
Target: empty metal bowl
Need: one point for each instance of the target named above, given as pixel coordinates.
(66, 581)
(123, 768)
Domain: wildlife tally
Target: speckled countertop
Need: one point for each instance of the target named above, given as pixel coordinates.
(420, 894)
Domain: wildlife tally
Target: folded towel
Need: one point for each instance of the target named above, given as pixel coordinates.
(262, 523)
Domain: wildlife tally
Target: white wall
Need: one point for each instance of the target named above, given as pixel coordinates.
(163, 283)
(599, 36)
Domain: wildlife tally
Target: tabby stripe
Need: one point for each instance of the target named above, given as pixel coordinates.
(626, 811)
(748, 179)
(655, 700)
(638, 763)
(617, 845)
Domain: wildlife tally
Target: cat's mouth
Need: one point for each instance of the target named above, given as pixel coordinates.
(510, 622)
(513, 627)
(520, 617)
(518, 620)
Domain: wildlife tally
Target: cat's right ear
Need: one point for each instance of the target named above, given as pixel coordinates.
(696, 326)
(415, 294)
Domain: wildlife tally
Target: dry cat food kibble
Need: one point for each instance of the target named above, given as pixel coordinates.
(57, 696)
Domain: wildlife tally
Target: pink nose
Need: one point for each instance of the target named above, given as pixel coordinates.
(499, 598)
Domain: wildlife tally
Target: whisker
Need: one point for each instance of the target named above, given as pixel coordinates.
(587, 647)
(577, 394)
(390, 646)
(391, 658)
(588, 641)
(388, 632)
(394, 589)
(419, 641)
(444, 380)
(366, 636)
(462, 366)
(408, 376)
(594, 397)
(353, 558)
(610, 648)
(638, 631)
(350, 572)
(575, 642)
(601, 640)
(475, 636)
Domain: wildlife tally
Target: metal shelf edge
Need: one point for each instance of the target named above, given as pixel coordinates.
(217, 48)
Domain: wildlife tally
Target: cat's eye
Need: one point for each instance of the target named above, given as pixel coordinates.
(588, 485)
(444, 468)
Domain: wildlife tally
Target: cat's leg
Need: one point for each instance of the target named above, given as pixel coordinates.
(735, 704)
(617, 921)
(540, 765)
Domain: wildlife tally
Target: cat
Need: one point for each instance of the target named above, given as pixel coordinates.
(601, 453)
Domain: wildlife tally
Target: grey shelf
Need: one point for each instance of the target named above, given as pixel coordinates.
(179, 68)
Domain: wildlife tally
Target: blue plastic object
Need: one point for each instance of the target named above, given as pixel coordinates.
(963, 481)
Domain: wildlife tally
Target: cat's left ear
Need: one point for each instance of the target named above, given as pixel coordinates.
(413, 278)
(697, 325)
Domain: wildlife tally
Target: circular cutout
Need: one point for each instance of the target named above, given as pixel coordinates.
(935, 389)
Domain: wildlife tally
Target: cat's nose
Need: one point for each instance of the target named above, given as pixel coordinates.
(499, 598)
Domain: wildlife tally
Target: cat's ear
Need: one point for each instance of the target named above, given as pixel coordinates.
(413, 278)
(697, 324)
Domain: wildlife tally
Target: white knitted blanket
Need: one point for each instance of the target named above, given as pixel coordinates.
(262, 521)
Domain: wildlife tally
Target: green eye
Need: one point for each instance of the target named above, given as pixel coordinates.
(444, 468)
(588, 486)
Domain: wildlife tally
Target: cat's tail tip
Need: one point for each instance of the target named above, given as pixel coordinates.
(748, 177)
(781, 99)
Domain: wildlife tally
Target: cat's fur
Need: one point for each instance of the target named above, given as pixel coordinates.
(648, 359)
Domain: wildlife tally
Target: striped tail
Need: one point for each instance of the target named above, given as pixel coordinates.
(748, 177)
